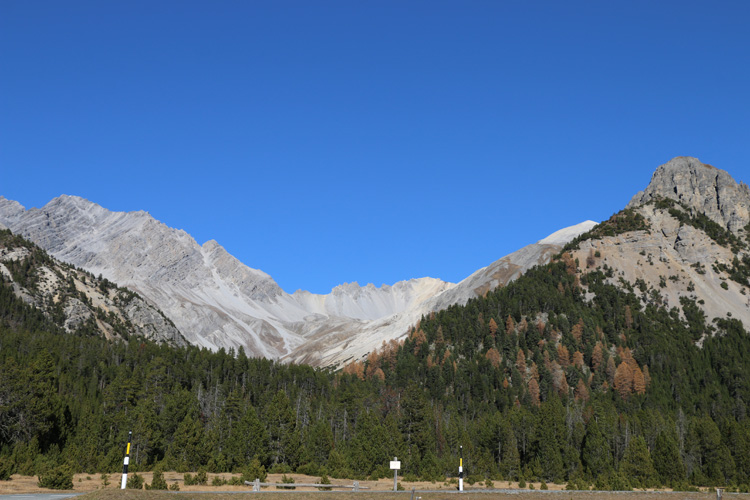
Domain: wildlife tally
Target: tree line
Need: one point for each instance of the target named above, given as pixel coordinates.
(559, 376)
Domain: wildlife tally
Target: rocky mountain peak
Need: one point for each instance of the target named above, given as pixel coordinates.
(700, 187)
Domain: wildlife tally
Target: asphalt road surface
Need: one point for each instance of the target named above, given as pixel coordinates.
(39, 496)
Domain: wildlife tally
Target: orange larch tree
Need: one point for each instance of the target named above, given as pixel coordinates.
(624, 380)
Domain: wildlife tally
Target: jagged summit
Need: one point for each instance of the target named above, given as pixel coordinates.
(701, 187)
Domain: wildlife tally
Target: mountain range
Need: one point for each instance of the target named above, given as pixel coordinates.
(688, 239)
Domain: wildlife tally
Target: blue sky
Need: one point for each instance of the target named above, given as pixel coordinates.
(373, 141)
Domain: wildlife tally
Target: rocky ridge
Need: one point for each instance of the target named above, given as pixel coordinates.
(701, 187)
(682, 256)
(75, 299)
(218, 302)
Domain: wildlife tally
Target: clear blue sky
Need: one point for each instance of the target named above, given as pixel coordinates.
(373, 141)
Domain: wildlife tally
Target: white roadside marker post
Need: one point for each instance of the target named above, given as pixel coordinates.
(461, 470)
(126, 462)
(395, 466)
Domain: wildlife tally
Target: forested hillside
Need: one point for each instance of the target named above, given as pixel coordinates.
(559, 376)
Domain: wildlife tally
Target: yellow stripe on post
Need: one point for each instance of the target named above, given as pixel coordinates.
(127, 452)
(461, 462)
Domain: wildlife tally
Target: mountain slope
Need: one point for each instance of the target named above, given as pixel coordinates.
(693, 245)
(218, 302)
(337, 347)
(75, 300)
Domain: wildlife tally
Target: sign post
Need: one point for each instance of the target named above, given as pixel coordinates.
(125, 463)
(395, 466)
(461, 470)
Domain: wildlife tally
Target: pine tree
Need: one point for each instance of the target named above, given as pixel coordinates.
(596, 454)
(636, 463)
(667, 461)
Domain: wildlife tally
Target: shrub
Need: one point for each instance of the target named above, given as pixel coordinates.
(254, 470)
(174, 487)
(6, 468)
(105, 479)
(158, 482)
(135, 482)
(57, 478)
(309, 469)
(188, 479)
(287, 480)
(218, 481)
(522, 483)
(201, 477)
(237, 481)
(324, 480)
(543, 486)
(280, 468)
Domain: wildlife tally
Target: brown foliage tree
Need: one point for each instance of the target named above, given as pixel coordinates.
(439, 339)
(521, 362)
(523, 325)
(581, 392)
(559, 382)
(597, 357)
(510, 325)
(419, 338)
(570, 265)
(623, 383)
(540, 326)
(493, 356)
(578, 360)
(356, 368)
(534, 392)
(577, 330)
(446, 355)
(493, 327)
(639, 383)
(563, 356)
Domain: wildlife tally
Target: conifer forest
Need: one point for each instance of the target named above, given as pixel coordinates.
(559, 376)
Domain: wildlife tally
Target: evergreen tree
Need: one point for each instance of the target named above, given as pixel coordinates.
(596, 454)
(667, 461)
(636, 463)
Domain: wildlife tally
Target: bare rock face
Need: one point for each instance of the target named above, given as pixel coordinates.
(76, 314)
(218, 302)
(87, 303)
(701, 187)
(675, 260)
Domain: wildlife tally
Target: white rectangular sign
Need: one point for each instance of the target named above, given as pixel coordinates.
(395, 464)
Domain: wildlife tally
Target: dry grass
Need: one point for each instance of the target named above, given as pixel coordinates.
(91, 484)
(406, 495)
